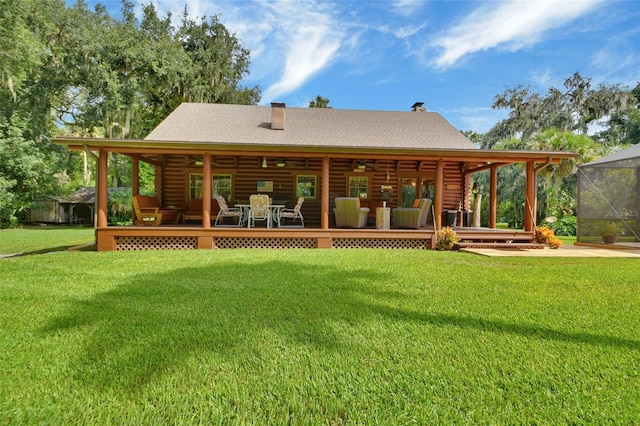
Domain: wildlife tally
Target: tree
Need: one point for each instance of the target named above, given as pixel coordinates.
(319, 102)
(575, 109)
(28, 161)
(558, 197)
(624, 125)
(69, 70)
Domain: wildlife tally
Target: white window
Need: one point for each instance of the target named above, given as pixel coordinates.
(306, 186)
(221, 184)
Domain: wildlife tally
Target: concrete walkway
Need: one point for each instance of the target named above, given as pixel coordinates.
(563, 251)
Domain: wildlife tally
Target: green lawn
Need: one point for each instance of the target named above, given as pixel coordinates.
(42, 239)
(317, 337)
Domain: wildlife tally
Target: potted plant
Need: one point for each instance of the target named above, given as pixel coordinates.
(610, 232)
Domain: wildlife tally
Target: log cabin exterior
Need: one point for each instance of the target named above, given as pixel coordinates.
(202, 150)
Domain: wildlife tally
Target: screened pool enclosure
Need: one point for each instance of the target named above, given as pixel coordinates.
(609, 199)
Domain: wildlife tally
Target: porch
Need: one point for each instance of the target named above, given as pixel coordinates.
(185, 237)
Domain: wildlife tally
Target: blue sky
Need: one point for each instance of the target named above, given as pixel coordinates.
(455, 56)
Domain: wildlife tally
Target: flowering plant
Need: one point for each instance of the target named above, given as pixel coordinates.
(447, 238)
(610, 228)
(544, 235)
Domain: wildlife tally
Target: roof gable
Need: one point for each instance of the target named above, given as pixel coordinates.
(310, 127)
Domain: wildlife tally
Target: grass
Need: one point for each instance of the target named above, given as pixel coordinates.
(317, 337)
(42, 239)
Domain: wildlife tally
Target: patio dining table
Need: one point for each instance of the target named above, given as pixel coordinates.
(275, 210)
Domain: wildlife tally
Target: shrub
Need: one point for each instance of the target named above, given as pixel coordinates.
(545, 235)
(446, 238)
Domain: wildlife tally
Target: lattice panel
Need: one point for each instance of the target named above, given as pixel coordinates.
(156, 243)
(381, 243)
(268, 243)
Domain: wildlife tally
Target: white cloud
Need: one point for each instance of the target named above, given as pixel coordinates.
(542, 78)
(408, 31)
(310, 50)
(305, 39)
(511, 25)
(406, 7)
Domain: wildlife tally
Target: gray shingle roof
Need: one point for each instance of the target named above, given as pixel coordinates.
(626, 156)
(309, 127)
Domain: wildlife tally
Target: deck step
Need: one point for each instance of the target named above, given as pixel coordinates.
(512, 246)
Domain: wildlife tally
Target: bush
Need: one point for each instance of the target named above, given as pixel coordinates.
(545, 235)
(566, 226)
(447, 238)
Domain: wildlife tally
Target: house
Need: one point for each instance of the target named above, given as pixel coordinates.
(392, 157)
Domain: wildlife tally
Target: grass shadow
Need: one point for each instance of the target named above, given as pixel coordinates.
(498, 326)
(152, 323)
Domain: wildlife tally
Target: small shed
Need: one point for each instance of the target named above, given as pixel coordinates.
(609, 199)
(74, 208)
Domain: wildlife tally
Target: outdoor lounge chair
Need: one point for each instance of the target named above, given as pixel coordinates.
(292, 215)
(147, 211)
(225, 212)
(349, 213)
(411, 217)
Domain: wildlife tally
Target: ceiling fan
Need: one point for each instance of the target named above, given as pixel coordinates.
(197, 160)
(362, 165)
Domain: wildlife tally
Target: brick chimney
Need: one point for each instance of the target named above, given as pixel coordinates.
(277, 115)
(418, 107)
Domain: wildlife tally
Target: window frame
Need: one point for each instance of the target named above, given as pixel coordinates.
(351, 176)
(193, 189)
(315, 185)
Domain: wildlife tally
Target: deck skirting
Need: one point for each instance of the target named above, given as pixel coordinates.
(191, 238)
(129, 238)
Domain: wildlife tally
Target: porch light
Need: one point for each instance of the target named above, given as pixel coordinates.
(281, 163)
(264, 162)
(362, 165)
(475, 189)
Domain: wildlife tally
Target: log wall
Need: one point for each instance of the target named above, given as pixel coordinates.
(173, 179)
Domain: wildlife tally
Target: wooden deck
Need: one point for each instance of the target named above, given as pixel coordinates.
(185, 237)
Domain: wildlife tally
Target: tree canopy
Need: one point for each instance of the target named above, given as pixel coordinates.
(578, 108)
(80, 72)
(319, 102)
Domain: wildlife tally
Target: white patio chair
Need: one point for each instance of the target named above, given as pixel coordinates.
(292, 215)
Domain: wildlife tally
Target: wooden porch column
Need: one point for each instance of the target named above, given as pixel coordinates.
(206, 191)
(439, 202)
(135, 176)
(530, 198)
(324, 205)
(103, 194)
(493, 197)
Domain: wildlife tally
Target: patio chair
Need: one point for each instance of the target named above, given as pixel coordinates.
(410, 217)
(225, 212)
(349, 213)
(291, 215)
(148, 211)
(259, 210)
